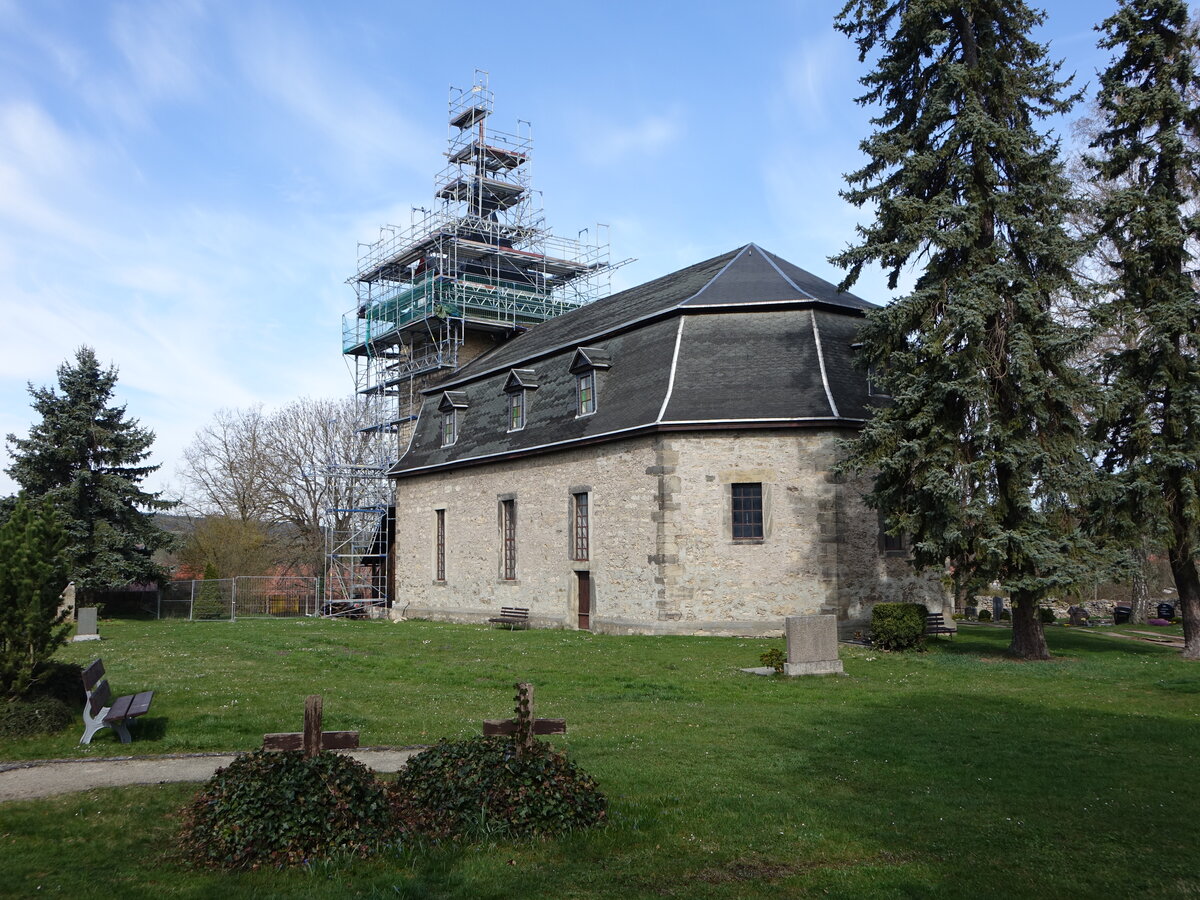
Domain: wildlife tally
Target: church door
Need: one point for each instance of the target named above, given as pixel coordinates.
(584, 583)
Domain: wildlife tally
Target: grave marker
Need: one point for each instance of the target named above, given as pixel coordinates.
(85, 628)
(312, 740)
(811, 645)
(525, 725)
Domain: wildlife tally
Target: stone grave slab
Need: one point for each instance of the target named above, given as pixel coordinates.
(85, 626)
(812, 645)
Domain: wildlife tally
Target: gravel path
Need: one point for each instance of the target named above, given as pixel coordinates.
(42, 778)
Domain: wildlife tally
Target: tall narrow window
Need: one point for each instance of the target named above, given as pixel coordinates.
(579, 546)
(439, 550)
(747, 511)
(586, 388)
(508, 530)
(890, 544)
(516, 410)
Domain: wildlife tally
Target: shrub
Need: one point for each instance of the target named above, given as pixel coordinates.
(33, 572)
(1047, 616)
(482, 787)
(1158, 622)
(280, 808)
(898, 626)
(775, 658)
(985, 615)
(43, 715)
(1005, 615)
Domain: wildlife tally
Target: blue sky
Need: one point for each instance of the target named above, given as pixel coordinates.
(183, 185)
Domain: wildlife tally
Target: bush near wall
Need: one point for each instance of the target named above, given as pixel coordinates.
(898, 626)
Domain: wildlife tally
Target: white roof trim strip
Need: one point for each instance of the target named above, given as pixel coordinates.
(781, 273)
(821, 364)
(674, 363)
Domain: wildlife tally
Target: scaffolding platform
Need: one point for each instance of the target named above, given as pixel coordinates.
(481, 263)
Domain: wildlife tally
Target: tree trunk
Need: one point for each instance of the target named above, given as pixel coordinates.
(1028, 638)
(1139, 601)
(1187, 583)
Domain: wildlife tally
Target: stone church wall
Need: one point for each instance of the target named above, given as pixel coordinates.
(662, 556)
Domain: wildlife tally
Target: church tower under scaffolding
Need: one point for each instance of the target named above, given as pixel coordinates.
(474, 270)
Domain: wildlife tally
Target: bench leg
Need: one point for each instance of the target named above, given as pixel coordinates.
(89, 731)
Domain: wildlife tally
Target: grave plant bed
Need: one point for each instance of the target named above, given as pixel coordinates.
(718, 785)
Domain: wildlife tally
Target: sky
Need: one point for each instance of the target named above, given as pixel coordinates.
(184, 185)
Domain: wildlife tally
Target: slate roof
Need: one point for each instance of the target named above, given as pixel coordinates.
(744, 339)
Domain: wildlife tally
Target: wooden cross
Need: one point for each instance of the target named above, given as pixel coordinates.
(525, 725)
(312, 740)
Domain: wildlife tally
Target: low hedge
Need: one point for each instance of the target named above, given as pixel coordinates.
(898, 626)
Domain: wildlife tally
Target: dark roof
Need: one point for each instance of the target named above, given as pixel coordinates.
(743, 339)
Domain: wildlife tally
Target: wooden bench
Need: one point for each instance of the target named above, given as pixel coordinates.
(935, 624)
(512, 616)
(101, 711)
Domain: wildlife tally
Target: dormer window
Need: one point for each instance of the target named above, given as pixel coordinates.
(516, 410)
(585, 388)
(587, 363)
(452, 402)
(520, 382)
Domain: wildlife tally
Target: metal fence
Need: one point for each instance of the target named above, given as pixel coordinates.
(244, 597)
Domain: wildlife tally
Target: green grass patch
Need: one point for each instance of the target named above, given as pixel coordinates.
(950, 773)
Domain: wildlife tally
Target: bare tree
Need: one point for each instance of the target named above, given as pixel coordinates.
(225, 467)
(283, 471)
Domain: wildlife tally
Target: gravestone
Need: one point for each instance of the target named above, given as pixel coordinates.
(526, 724)
(812, 647)
(85, 627)
(1166, 611)
(1078, 614)
(312, 740)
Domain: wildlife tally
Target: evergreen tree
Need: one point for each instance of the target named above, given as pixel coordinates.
(85, 459)
(979, 456)
(33, 574)
(1148, 163)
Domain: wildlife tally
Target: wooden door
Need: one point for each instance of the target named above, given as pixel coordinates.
(584, 584)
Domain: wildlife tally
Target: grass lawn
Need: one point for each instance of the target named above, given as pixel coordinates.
(950, 773)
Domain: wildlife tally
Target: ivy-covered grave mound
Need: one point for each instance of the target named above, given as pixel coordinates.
(280, 808)
(494, 786)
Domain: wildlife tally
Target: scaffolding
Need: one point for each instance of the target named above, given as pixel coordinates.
(480, 264)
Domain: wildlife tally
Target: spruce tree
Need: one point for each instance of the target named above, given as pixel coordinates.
(979, 455)
(85, 459)
(1148, 166)
(33, 574)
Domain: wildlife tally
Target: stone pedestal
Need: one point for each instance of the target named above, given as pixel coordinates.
(812, 647)
(85, 628)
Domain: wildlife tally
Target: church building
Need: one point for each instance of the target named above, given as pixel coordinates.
(660, 461)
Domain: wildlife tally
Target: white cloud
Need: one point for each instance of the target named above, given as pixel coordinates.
(362, 123)
(158, 41)
(608, 143)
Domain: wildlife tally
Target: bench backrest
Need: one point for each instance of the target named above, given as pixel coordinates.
(515, 612)
(934, 619)
(99, 698)
(93, 675)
